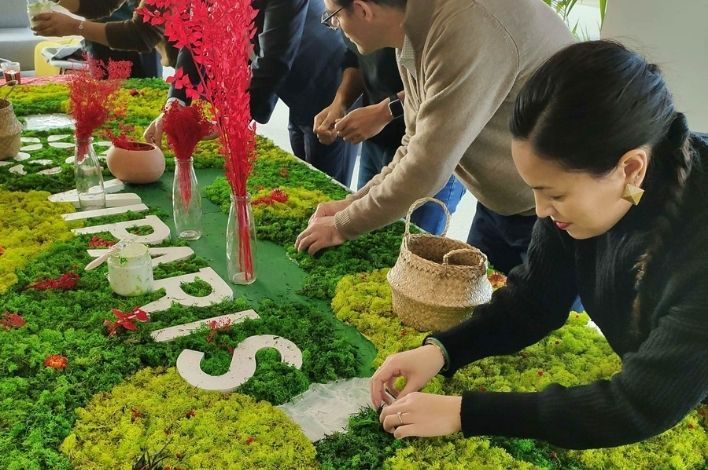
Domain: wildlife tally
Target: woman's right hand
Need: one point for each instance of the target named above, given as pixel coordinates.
(417, 366)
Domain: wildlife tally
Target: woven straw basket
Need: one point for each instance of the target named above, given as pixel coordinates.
(10, 131)
(437, 281)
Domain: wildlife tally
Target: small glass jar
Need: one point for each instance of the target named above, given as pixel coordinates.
(130, 270)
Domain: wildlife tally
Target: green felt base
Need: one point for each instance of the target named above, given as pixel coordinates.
(277, 276)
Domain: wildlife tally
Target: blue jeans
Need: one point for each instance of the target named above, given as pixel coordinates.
(430, 216)
(337, 160)
(503, 238)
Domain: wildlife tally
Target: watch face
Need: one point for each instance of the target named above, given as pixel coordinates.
(396, 108)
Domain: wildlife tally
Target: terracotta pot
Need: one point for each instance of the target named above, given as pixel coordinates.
(144, 164)
(10, 131)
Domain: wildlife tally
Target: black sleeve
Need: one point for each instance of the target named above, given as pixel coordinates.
(186, 63)
(283, 25)
(658, 385)
(535, 301)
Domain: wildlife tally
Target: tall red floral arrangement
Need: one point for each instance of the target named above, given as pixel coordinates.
(92, 95)
(218, 33)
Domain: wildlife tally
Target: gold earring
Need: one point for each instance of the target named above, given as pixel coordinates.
(632, 194)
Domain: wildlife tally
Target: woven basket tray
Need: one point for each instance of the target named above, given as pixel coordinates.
(10, 131)
(437, 281)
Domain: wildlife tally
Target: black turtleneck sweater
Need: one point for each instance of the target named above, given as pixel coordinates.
(664, 369)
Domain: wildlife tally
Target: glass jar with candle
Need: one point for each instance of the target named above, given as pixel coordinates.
(130, 270)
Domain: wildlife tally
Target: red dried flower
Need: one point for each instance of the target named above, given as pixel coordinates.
(121, 139)
(56, 361)
(216, 327)
(135, 414)
(277, 195)
(185, 126)
(92, 93)
(98, 242)
(540, 373)
(2, 250)
(125, 320)
(190, 414)
(250, 440)
(497, 280)
(66, 281)
(12, 320)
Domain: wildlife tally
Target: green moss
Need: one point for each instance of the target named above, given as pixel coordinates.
(365, 445)
(30, 224)
(37, 404)
(157, 409)
(572, 355)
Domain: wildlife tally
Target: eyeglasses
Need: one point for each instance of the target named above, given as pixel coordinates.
(330, 19)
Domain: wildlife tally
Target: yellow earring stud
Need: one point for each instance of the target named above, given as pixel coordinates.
(632, 194)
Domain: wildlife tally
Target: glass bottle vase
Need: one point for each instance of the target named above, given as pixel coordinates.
(241, 241)
(186, 201)
(89, 176)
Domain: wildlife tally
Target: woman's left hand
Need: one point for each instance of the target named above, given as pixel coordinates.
(422, 415)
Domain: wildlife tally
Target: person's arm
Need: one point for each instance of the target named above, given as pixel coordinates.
(535, 301)
(466, 83)
(349, 90)
(129, 35)
(658, 385)
(279, 42)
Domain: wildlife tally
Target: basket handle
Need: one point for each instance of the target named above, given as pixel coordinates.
(419, 203)
(446, 258)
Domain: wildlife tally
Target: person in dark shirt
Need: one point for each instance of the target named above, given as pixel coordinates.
(298, 61)
(593, 130)
(378, 124)
(110, 26)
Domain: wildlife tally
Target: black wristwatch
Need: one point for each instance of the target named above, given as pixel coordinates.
(395, 106)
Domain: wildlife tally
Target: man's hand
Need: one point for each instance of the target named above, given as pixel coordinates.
(329, 209)
(321, 233)
(55, 24)
(363, 123)
(324, 123)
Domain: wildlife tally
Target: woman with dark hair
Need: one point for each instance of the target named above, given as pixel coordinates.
(594, 129)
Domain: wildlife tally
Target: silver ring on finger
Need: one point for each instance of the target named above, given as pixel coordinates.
(400, 418)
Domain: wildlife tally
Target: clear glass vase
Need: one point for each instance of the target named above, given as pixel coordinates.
(89, 176)
(186, 201)
(241, 241)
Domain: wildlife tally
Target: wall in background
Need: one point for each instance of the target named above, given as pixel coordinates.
(673, 35)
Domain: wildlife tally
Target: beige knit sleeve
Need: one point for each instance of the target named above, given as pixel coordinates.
(469, 66)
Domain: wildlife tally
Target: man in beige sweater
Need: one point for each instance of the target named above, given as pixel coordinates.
(462, 63)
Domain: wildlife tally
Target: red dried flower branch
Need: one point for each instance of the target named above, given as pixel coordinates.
(66, 281)
(218, 34)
